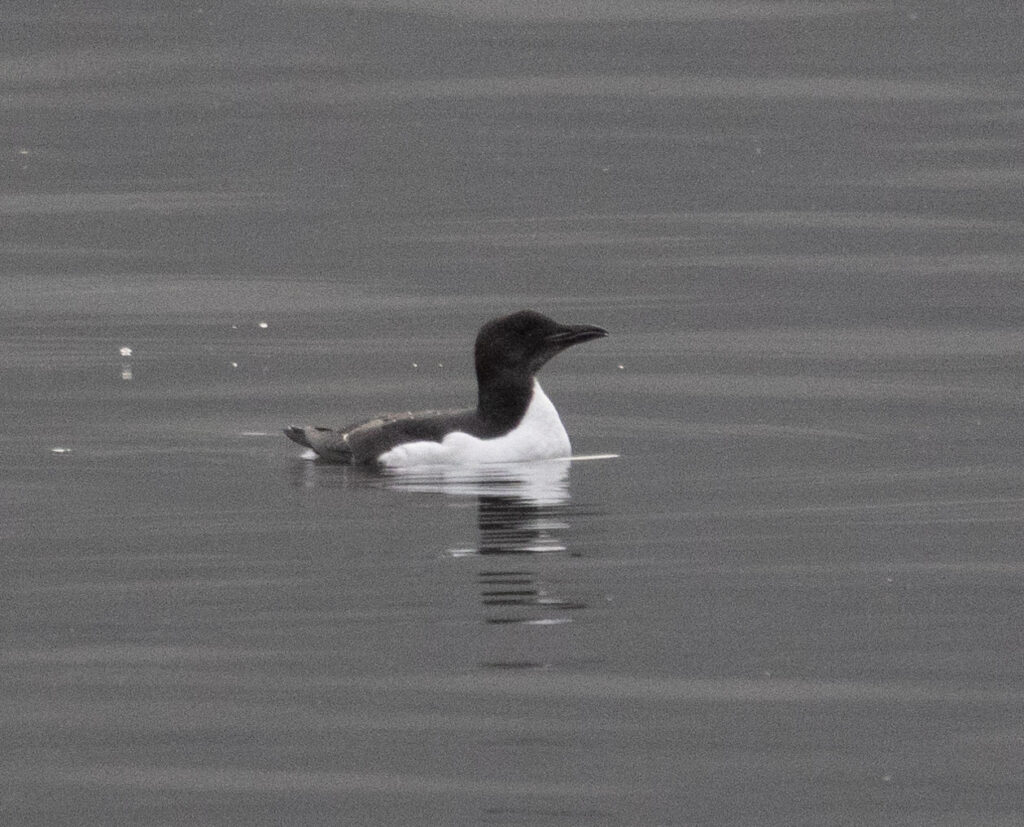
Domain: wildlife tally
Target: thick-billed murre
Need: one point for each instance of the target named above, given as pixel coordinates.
(513, 420)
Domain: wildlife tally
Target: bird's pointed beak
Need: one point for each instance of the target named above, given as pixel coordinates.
(574, 334)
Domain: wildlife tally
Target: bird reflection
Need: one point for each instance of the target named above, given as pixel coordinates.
(512, 525)
(522, 512)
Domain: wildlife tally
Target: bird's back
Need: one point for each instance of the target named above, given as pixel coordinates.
(364, 442)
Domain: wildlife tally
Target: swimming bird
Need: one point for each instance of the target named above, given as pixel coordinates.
(513, 420)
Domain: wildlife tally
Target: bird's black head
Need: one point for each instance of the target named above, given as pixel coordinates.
(522, 342)
(511, 349)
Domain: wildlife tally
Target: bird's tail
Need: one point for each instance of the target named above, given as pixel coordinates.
(297, 434)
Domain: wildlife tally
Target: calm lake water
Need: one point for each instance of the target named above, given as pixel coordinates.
(792, 596)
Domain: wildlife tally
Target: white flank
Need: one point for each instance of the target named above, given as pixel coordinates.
(540, 435)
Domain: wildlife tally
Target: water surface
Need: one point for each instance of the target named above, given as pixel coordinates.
(792, 597)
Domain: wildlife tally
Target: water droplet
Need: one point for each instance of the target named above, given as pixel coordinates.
(461, 552)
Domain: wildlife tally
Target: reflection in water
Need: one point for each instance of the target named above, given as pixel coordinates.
(542, 483)
(523, 515)
(511, 525)
(522, 511)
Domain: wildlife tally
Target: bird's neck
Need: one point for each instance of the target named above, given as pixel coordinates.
(502, 400)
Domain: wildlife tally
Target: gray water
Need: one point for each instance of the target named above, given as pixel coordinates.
(792, 597)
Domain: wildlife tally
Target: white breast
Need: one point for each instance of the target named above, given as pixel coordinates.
(539, 435)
